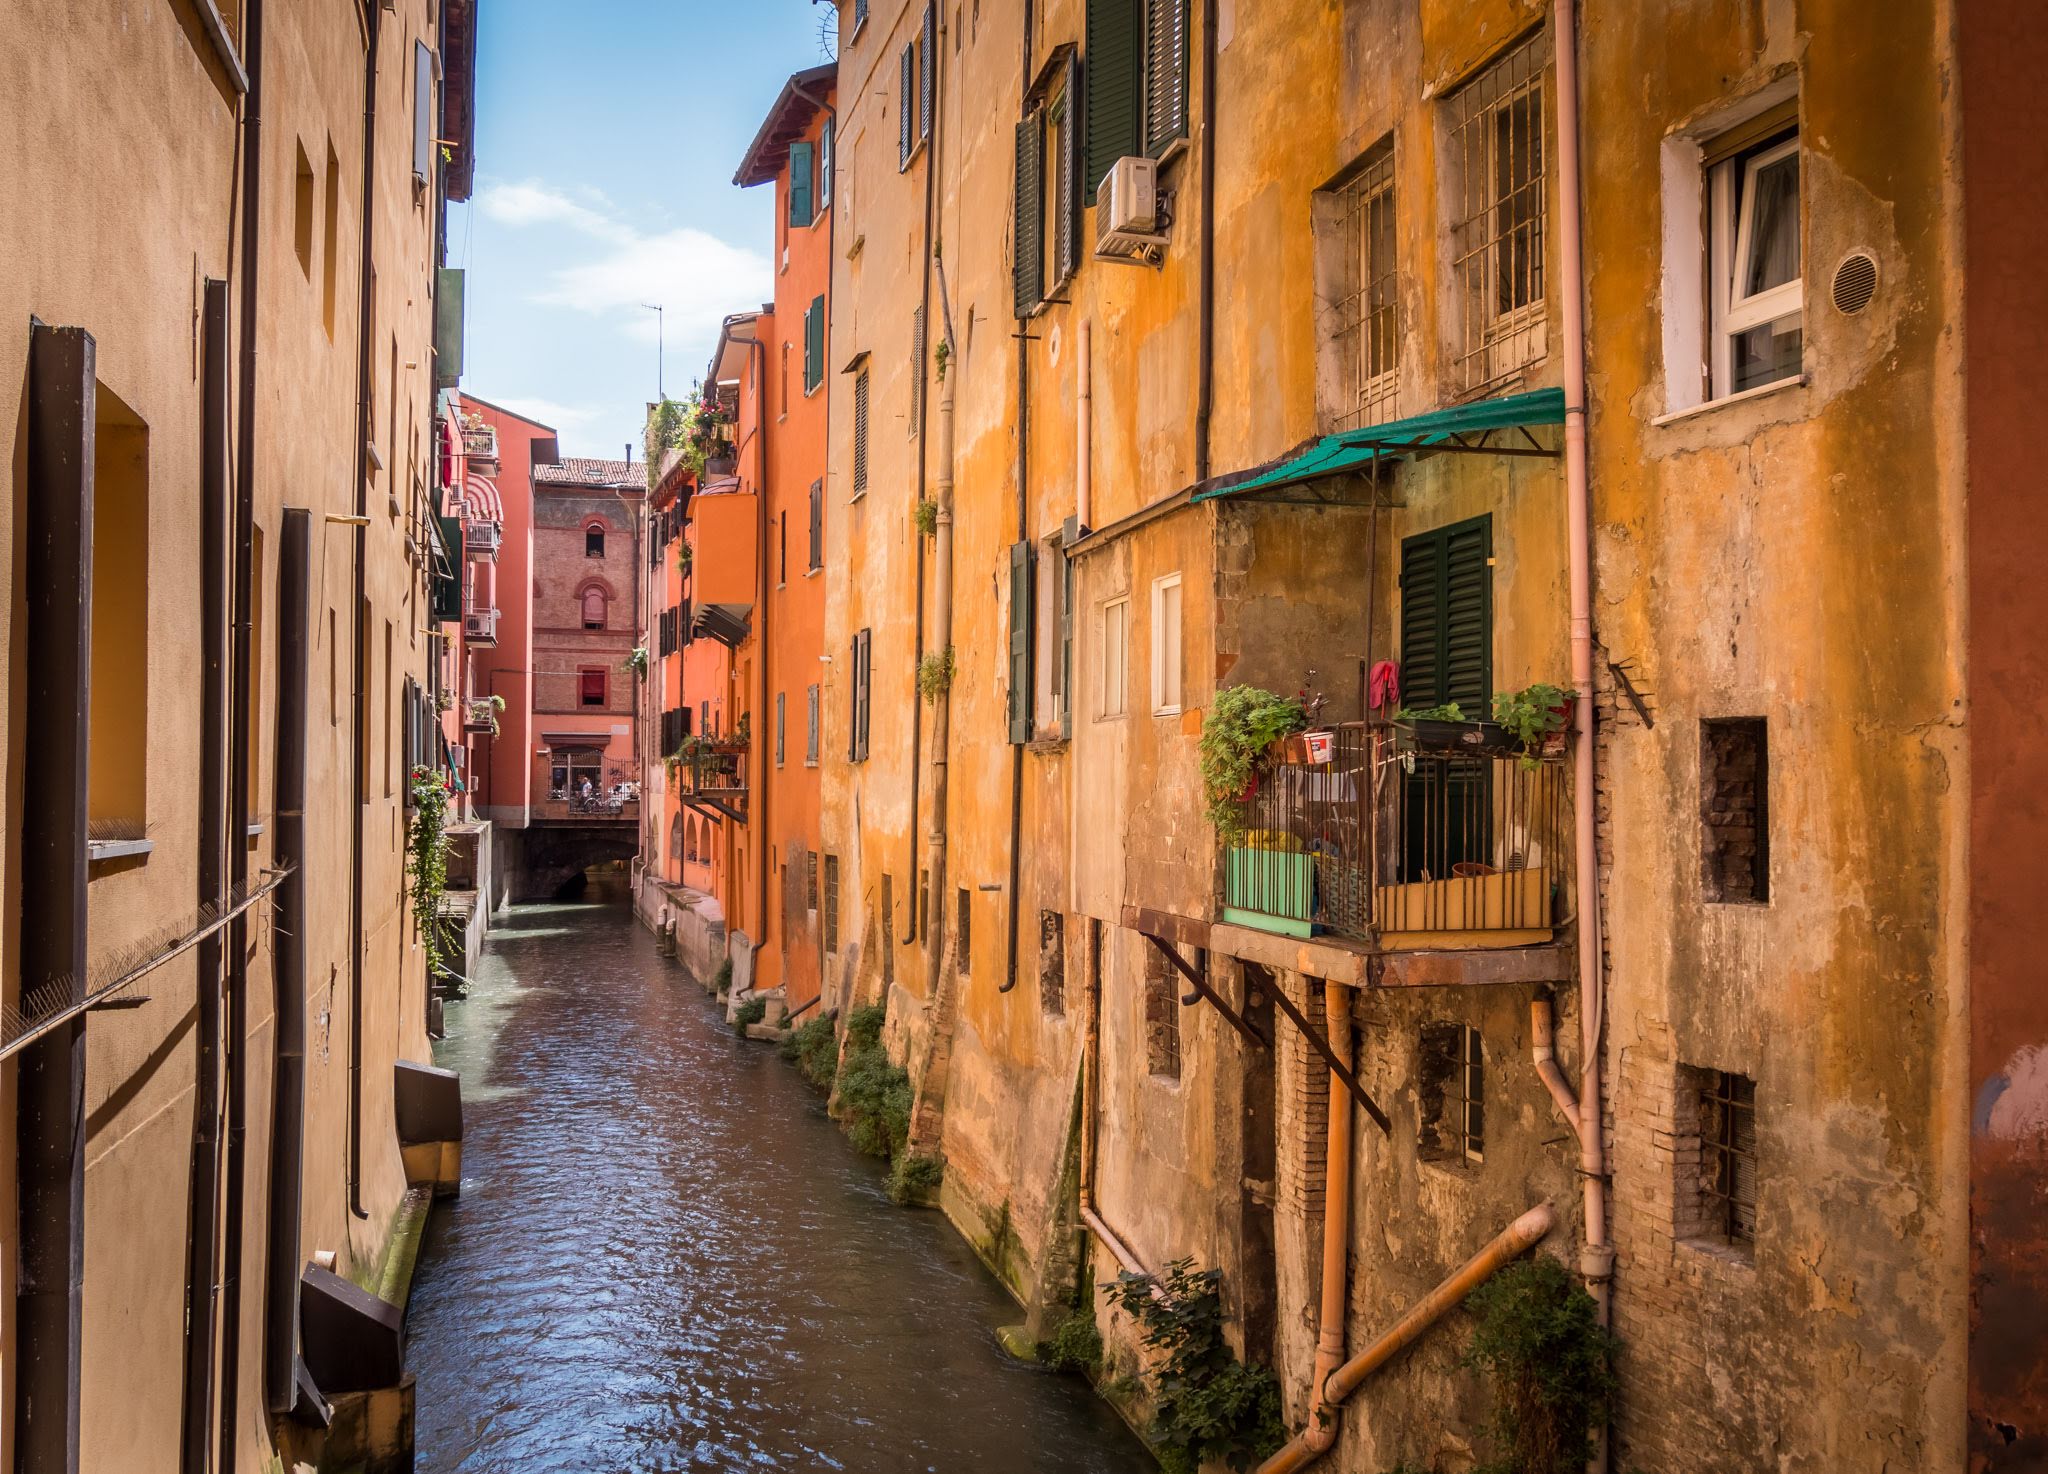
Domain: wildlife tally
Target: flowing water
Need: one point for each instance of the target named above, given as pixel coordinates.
(666, 1257)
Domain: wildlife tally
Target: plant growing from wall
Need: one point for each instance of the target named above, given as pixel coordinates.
(935, 674)
(914, 1177)
(928, 517)
(874, 1094)
(636, 662)
(1075, 1346)
(722, 979)
(684, 557)
(813, 1047)
(752, 1012)
(1241, 723)
(1540, 1342)
(664, 422)
(942, 355)
(426, 860)
(1207, 1405)
(1532, 714)
(444, 700)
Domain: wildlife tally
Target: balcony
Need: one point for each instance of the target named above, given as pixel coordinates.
(480, 448)
(1434, 835)
(480, 714)
(482, 540)
(480, 627)
(713, 776)
(561, 807)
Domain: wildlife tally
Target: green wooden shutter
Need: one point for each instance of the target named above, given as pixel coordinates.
(814, 344)
(1166, 74)
(1115, 71)
(825, 164)
(906, 100)
(927, 80)
(447, 591)
(800, 212)
(1067, 170)
(1447, 617)
(1029, 265)
(448, 288)
(1020, 642)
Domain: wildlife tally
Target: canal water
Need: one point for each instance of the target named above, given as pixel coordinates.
(666, 1256)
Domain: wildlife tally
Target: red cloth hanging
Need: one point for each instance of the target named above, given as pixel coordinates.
(1385, 685)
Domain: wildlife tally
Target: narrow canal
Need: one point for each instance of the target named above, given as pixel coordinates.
(666, 1257)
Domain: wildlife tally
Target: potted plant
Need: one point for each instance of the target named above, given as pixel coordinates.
(1238, 733)
(1535, 717)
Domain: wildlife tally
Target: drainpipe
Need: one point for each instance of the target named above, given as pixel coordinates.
(758, 351)
(1543, 1049)
(237, 1061)
(202, 1224)
(1091, 1084)
(942, 572)
(357, 736)
(1596, 1262)
(1205, 372)
(1084, 430)
(288, 950)
(1323, 1409)
(1511, 1243)
(942, 637)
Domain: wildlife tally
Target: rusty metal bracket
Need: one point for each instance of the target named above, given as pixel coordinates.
(1619, 669)
(1203, 990)
(1322, 1046)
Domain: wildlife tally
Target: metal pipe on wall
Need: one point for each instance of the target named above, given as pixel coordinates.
(942, 571)
(237, 1043)
(1205, 380)
(202, 1229)
(288, 968)
(49, 1117)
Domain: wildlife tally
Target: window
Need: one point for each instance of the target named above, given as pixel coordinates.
(1453, 1088)
(1052, 636)
(1162, 1016)
(817, 524)
(422, 114)
(814, 344)
(801, 208)
(1020, 642)
(1446, 624)
(1166, 74)
(1718, 1203)
(963, 931)
(928, 71)
(1027, 263)
(1116, 647)
(590, 686)
(1136, 81)
(1052, 963)
(1755, 281)
(330, 238)
(831, 903)
(1166, 645)
(594, 609)
(1497, 158)
(917, 365)
(860, 433)
(906, 101)
(825, 164)
(888, 930)
(778, 728)
(593, 541)
(118, 721)
(302, 213)
(811, 733)
(1062, 156)
(781, 546)
(860, 15)
(811, 882)
(1358, 278)
(1735, 835)
(857, 714)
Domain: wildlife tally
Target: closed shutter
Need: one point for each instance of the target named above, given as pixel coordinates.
(814, 344)
(1115, 67)
(1166, 73)
(1029, 265)
(1065, 675)
(916, 368)
(906, 98)
(447, 593)
(800, 211)
(1020, 642)
(927, 83)
(818, 523)
(422, 113)
(1447, 618)
(825, 164)
(1067, 240)
(778, 728)
(860, 432)
(857, 713)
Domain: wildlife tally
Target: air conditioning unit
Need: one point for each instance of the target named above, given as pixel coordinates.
(1127, 212)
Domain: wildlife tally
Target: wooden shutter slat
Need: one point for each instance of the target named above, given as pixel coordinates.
(1113, 81)
(1020, 642)
(1069, 170)
(1028, 265)
(1166, 73)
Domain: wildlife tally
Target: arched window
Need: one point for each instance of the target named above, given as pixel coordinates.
(593, 607)
(593, 541)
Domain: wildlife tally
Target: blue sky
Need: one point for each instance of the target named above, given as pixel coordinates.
(608, 132)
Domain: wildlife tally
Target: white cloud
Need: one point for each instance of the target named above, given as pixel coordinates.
(555, 415)
(531, 203)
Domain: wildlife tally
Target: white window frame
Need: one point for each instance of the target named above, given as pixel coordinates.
(1113, 701)
(1168, 654)
(1732, 315)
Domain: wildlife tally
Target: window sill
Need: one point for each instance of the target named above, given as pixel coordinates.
(1166, 711)
(1736, 1256)
(814, 572)
(1797, 381)
(858, 496)
(101, 851)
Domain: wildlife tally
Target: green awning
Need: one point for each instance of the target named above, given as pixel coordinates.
(1441, 429)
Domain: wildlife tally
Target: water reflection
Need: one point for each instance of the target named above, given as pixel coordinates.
(665, 1257)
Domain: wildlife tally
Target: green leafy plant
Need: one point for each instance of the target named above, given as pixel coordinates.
(813, 1047)
(637, 661)
(941, 356)
(426, 861)
(1208, 1405)
(1540, 1342)
(1450, 711)
(444, 700)
(684, 557)
(695, 425)
(1241, 723)
(722, 979)
(1532, 714)
(927, 517)
(914, 1177)
(935, 674)
(1075, 1346)
(874, 1094)
(752, 1012)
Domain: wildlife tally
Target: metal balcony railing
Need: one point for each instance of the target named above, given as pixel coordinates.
(480, 627)
(480, 448)
(482, 539)
(479, 715)
(717, 776)
(1437, 834)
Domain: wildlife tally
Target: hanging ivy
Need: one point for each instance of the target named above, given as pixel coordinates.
(426, 861)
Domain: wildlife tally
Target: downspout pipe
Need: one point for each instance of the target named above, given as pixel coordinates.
(1205, 369)
(1321, 1432)
(758, 352)
(202, 1223)
(942, 568)
(1596, 1261)
(288, 949)
(237, 1058)
(1512, 1242)
(1023, 429)
(357, 735)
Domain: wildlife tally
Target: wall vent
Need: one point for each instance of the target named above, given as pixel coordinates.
(1855, 283)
